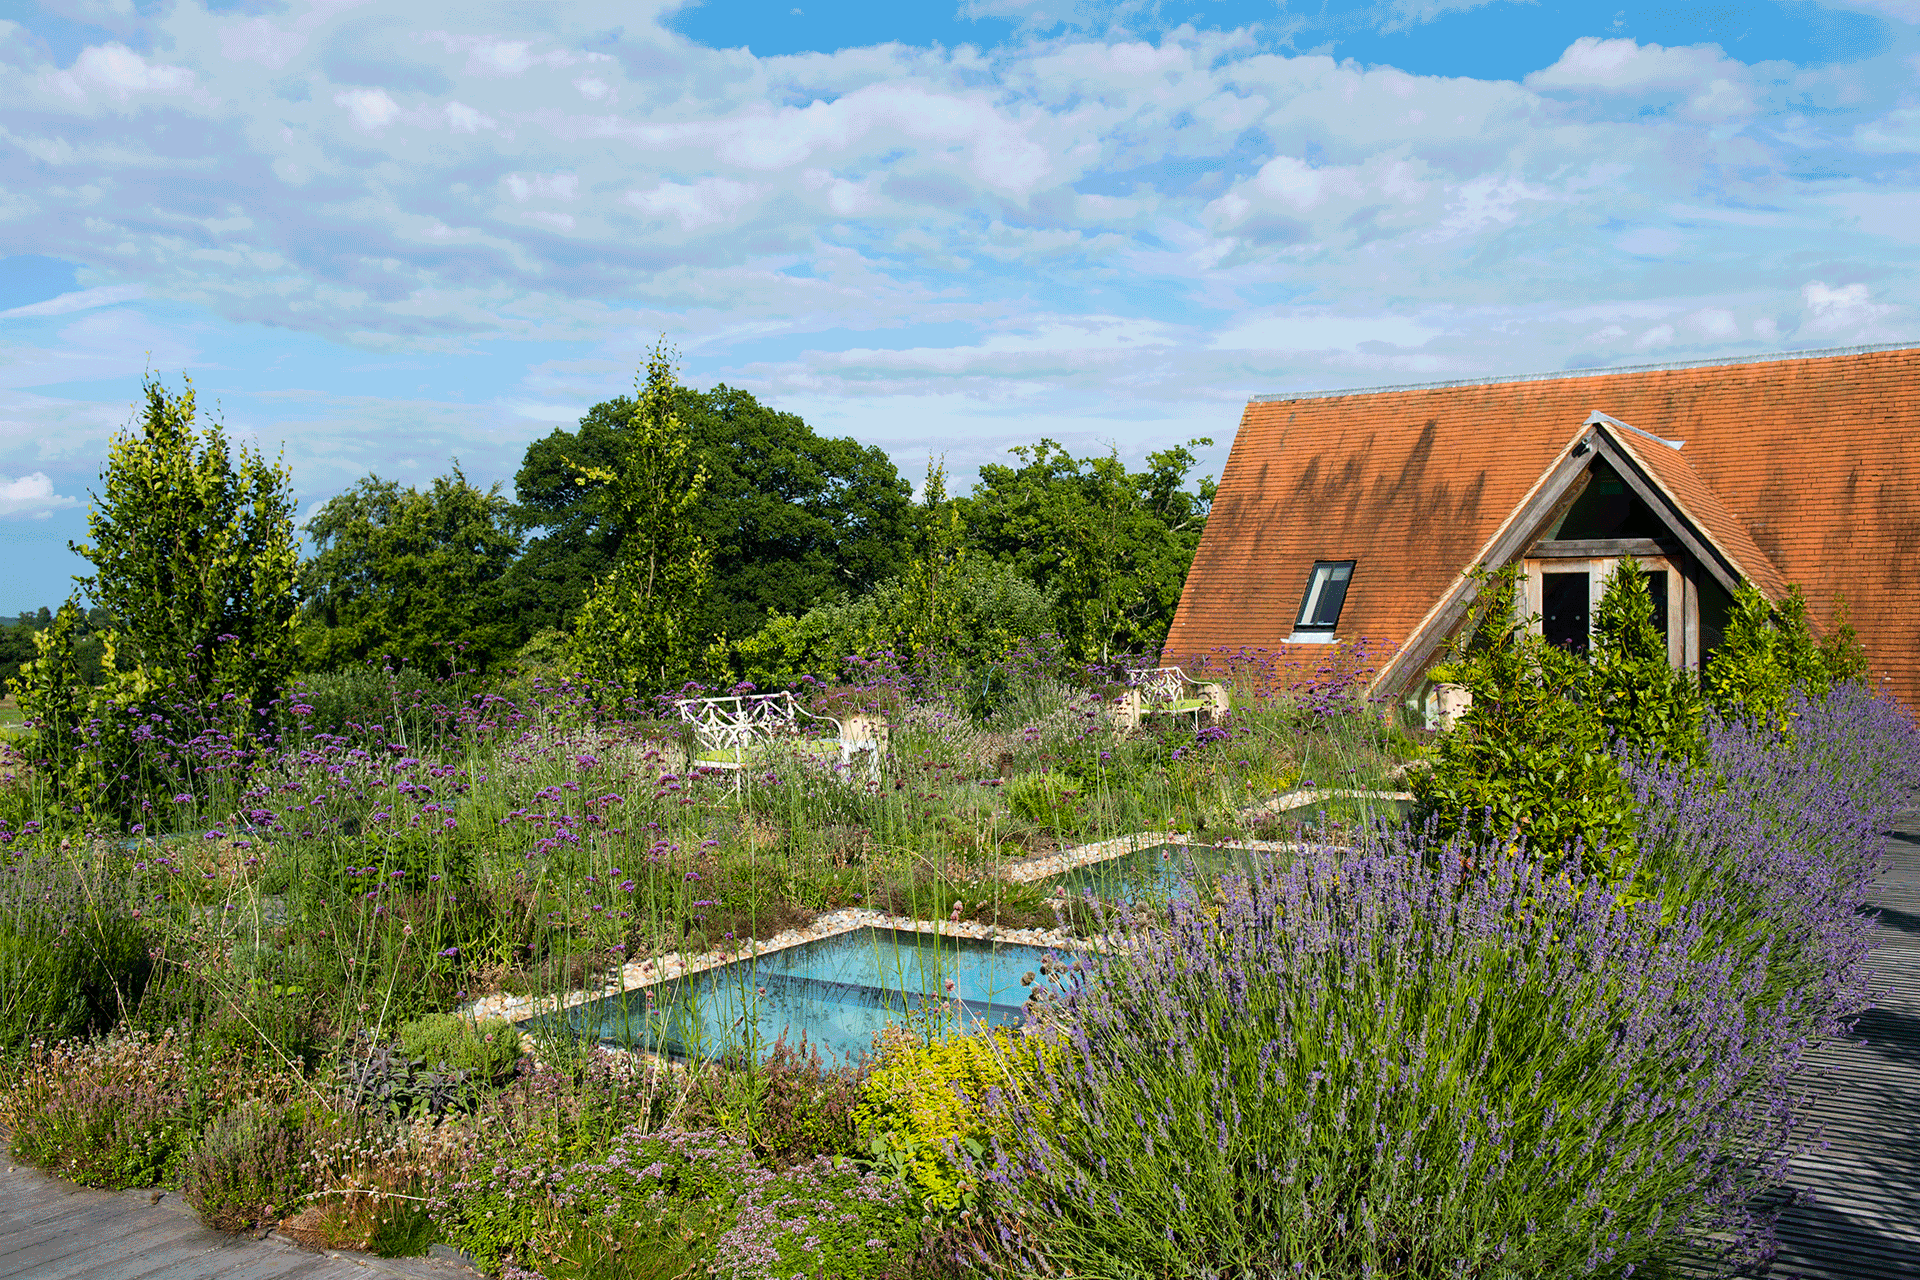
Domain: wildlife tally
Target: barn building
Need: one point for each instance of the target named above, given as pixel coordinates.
(1346, 516)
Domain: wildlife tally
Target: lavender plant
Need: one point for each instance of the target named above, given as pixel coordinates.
(1429, 1058)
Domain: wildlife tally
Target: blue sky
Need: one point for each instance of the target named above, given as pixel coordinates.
(380, 237)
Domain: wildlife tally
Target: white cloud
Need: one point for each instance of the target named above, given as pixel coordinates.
(697, 205)
(1849, 309)
(1714, 86)
(462, 118)
(542, 186)
(1315, 331)
(32, 496)
(371, 109)
(1714, 322)
(1897, 131)
(932, 244)
(83, 300)
(117, 72)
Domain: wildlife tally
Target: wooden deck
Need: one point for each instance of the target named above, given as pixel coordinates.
(53, 1230)
(1864, 1220)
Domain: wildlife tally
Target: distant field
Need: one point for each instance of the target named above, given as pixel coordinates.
(10, 716)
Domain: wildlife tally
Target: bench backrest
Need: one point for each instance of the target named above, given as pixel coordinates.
(733, 722)
(1159, 684)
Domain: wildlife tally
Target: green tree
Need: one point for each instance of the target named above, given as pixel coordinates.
(55, 700)
(1768, 651)
(794, 519)
(1644, 702)
(416, 575)
(194, 557)
(641, 624)
(1113, 547)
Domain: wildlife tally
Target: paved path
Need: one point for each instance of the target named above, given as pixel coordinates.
(1864, 1221)
(53, 1230)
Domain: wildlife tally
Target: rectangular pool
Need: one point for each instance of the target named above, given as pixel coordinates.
(1159, 871)
(838, 992)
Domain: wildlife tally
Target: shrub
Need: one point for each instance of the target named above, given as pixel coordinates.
(1046, 799)
(248, 1168)
(791, 1107)
(487, 1051)
(383, 1079)
(823, 1219)
(1529, 759)
(925, 1112)
(114, 1112)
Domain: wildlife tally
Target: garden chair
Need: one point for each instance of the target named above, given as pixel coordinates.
(1169, 691)
(739, 730)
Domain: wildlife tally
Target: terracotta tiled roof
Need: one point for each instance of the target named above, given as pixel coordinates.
(1808, 464)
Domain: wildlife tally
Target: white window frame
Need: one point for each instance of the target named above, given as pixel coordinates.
(1323, 575)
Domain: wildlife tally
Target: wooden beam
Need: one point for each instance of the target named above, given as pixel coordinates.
(1601, 548)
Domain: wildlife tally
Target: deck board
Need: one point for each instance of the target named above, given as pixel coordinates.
(1863, 1222)
(53, 1230)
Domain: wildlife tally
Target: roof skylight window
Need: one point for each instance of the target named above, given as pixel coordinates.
(1320, 607)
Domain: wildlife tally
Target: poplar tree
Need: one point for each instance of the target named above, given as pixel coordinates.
(639, 626)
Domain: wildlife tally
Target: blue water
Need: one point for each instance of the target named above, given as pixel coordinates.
(837, 992)
(1166, 870)
(1162, 871)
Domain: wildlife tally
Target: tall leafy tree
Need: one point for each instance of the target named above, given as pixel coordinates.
(1112, 546)
(412, 574)
(193, 555)
(640, 626)
(794, 519)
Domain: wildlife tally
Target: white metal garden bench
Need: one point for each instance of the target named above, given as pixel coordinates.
(739, 730)
(1169, 691)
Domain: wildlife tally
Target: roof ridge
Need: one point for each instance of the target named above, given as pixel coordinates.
(1588, 372)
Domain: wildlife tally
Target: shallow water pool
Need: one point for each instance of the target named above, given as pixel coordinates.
(837, 992)
(1159, 871)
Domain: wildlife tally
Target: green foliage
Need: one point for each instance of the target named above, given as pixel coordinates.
(1046, 799)
(489, 1050)
(194, 558)
(56, 702)
(1531, 758)
(794, 519)
(641, 625)
(249, 1168)
(17, 647)
(67, 967)
(664, 1192)
(409, 575)
(987, 606)
(1111, 546)
(1643, 701)
(1841, 652)
(1767, 653)
(926, 1108)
